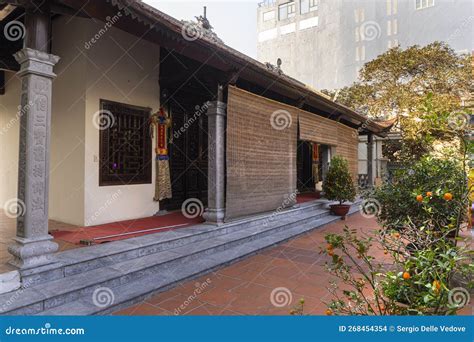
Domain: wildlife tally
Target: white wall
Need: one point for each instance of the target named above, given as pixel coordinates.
(66, 200)
(9, 138)
(121, 68)
(84, 76)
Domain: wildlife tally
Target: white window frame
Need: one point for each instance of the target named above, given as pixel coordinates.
(303, 8)
(288, 5)
(268, 19)
(422, 4)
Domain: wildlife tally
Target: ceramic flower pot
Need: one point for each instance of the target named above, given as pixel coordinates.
(340, 210)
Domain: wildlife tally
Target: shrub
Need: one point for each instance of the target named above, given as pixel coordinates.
(430, 190)
(338, 184)
(416, 282)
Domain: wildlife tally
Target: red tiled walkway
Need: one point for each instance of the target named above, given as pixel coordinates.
(245, 287)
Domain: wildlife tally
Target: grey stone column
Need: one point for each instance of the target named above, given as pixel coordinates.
(33, 246)
(370, 159)
(215, 211)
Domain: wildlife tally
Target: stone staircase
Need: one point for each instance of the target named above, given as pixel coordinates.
(130, 270)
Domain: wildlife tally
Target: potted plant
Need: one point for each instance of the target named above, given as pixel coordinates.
(339, 186)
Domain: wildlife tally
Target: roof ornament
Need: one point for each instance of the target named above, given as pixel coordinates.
(200, 28)
(275, 68)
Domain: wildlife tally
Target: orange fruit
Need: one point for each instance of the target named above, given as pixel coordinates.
(406, 275)
(385, 252)
(329, 247)
(429, 194)
(328, 312)
(448, 196)
(419, 198)
(396, 235)
(330, 252)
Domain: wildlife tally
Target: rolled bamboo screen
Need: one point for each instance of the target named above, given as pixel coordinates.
(261, 154)
(261, 150)
(321, 130)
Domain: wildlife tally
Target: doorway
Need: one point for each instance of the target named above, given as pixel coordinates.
(188, 154)
(312, 163)
(304, 167)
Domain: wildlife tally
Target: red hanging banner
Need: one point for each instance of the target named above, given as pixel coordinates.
(315, 152)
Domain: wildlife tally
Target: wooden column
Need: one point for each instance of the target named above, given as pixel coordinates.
(32, 245)
(370, 159)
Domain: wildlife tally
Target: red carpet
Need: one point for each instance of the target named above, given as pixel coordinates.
(311, 196)
(130, 226)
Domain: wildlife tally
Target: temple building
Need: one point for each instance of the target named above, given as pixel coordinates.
(113, 110)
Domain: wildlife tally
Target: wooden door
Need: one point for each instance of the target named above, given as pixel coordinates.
(188, 156)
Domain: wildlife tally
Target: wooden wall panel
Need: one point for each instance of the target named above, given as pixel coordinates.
(261, 160)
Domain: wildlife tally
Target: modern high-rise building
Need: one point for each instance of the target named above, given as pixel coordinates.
(324, 43)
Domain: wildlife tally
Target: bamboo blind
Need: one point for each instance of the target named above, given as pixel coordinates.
(321, 130)
(261, 160)
(317, 129)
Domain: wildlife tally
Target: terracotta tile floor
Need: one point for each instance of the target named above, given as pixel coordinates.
(245, 288)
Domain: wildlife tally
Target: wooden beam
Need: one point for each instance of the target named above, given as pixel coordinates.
(2, 82)
(6, 11)
(38, 27)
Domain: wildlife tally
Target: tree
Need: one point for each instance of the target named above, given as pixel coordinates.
(422, 87)
(338, 184)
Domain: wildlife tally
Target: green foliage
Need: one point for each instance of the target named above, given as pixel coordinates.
(431, 270)
(338, 184)
(400, 79)
(418, 282)
(422, 87)
(431, 178)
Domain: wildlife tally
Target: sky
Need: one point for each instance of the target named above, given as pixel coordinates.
(234, 21)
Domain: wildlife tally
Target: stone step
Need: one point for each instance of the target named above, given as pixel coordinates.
(170, 263)
(80, 260)
(139, 289)
(62, 290)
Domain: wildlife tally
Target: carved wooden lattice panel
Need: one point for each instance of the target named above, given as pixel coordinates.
(125, 144)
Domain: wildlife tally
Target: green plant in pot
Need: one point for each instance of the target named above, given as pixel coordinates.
(339, 186)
